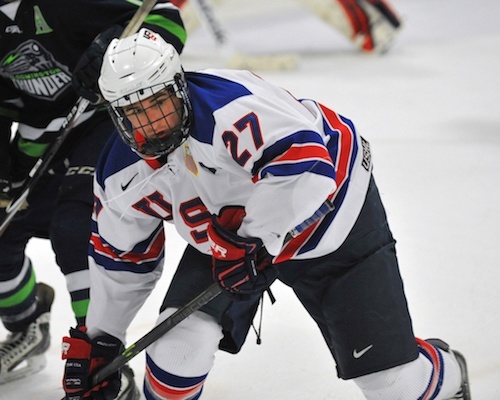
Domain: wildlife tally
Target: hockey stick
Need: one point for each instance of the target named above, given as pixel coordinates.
(42, 164)
(234, 59)
(185, 311)
(70, 121)
(182, 313)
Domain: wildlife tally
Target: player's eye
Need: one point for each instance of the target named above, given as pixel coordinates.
(133, 111)
(161, 100)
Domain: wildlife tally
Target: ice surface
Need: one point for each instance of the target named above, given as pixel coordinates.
(431, 110)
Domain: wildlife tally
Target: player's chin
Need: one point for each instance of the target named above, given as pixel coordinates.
(162, 135)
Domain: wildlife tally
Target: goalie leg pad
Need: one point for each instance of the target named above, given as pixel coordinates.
(331, 12)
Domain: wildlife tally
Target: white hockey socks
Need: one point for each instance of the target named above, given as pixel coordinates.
(178, 363)
(435, 374)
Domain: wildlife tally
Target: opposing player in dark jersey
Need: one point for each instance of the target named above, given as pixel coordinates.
(41, 43)
(259, 184)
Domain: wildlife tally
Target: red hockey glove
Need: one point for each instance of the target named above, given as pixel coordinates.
(83, 357)
(88, 68)
(240, 265)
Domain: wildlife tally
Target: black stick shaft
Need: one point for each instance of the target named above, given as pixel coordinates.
(181, 314)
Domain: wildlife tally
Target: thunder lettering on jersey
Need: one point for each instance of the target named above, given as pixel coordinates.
(33, 70)
(42, 41)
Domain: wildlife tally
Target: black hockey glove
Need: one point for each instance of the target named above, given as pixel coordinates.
(5, 188)
(241, 266)
(88, 68)
(5, 183)
(84, 356)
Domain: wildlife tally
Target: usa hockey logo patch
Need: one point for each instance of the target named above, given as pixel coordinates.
(150, 35)
(189, 161)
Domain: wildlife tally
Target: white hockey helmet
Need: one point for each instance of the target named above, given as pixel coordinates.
(134, 69)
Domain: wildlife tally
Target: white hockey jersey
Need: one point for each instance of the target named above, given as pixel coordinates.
(251, 144)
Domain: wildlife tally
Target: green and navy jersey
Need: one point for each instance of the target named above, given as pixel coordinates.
(40, 43)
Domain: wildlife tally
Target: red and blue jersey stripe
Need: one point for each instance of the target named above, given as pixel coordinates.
(143, 258)
(300, 152)
(342, 151)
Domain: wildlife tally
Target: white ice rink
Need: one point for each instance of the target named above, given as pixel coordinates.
(431, 110)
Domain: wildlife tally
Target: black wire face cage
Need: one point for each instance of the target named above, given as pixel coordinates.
(154, 121)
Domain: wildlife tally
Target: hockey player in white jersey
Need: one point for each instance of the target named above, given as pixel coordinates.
(236, 164)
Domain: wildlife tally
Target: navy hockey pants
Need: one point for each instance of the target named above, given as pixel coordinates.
(355, 295)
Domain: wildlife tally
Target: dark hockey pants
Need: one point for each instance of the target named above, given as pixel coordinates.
(355, 295)
(60, 208)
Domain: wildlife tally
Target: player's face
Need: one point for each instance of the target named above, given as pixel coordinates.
(156, 116)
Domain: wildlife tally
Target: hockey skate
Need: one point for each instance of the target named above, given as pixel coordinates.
(128, 390)
(464, 393)
(22, 354)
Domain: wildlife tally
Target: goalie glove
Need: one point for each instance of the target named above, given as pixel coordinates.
(240, 265)
(8, 191)
(370, 24)
(376, 31)
(88, 68)
(84, 356)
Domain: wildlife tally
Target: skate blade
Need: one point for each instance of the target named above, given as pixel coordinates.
(26, 368)
(128, 389)
(129, 394)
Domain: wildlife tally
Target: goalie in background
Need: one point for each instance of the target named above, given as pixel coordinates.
(41, 46)
(371, 25)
